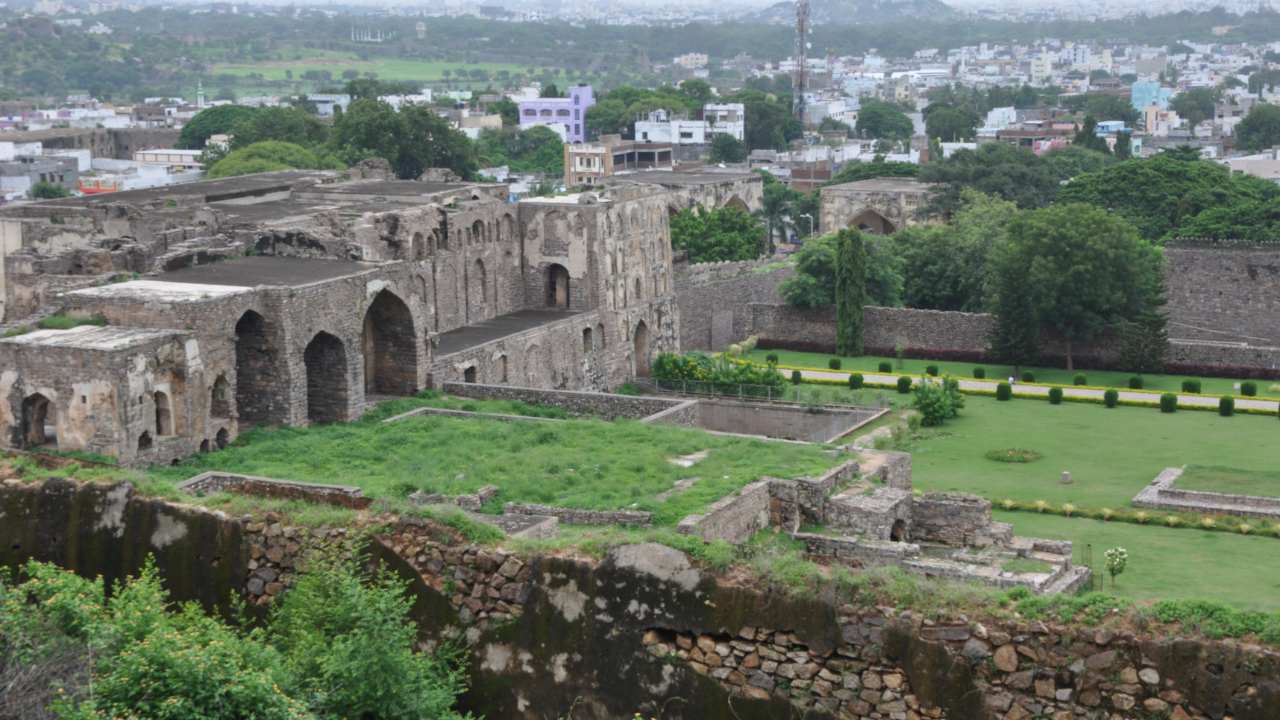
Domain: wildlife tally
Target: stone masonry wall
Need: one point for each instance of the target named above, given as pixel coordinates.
(610, 407)
(715, 299)
(1224, 294)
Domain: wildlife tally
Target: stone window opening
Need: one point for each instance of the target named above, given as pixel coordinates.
(390, 347)
(638, 294)
(469, 375)
(326, 362)
(600, 334)
(502, 368)
(477, 232)
(144, 441)
(39, 422)
(640, 350)
(222, 439)
(587, 344)
(218, 405)
(256, 363)
(164, 414)
(899, 531)
(204, 445)
(558, 286)
(479, 288)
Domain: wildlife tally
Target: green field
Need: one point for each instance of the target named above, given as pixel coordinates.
(1167, 564)
(588, 464)
(1097, 378)
(1110, 453)
(1230, 480)
(336, 63)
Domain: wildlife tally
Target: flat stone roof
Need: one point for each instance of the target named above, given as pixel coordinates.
(688, 177)
(92, 337)
(394, 187)
(159, 290)
(269, 270)
(471, 336)
(883, 184)
(207, 190)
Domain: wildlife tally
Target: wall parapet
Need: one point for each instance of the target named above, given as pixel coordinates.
(217, 481)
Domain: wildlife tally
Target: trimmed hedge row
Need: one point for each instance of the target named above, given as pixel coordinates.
(1160, 518)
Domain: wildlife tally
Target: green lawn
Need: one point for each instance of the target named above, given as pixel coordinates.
(1111, 453)
(578, 463)
(1099, 378)
(1169, 564)
(1230, 480)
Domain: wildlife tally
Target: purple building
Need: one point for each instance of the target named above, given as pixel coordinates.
(566, 115)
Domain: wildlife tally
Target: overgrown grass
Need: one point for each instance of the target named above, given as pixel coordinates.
(1026, 565)
(432, 398)
(1214, 478)
(588, 464)
(66, 322)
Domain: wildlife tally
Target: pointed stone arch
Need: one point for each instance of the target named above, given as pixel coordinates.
(164, 413)
(871, 221)
(220, 397)
(257, 363)
(737, 203)
(640, 350)
(326, 362)
(558, 286)
(390, 346)
(478, 290)
(39, 427)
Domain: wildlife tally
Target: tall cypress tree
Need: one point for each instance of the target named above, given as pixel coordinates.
(1015, 339)
(851, 291)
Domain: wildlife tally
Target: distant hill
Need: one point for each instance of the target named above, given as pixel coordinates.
(850, 12)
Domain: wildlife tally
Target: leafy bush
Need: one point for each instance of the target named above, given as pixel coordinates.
(885, 366)
(1168, 403)
(932, 370)
(1004, 392)
(1055, 396)
(1079, 380)
(1191, 386)
(904, 384)
(771, 358)
(937, 402)
(1028, 377)
(66, 322)
(834, 363)
(796, 377)
(1226, 406)
(719, 373)
(1249, 388)
(1111, 398)
(1135, 382)
(1012, 455)
(980, 373)
(855, 381)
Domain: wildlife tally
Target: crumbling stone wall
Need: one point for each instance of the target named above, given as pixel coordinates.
(1229, 294)
(894, 202)
(715, 299)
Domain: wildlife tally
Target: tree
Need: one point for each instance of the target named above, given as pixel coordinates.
(699, 91)
(1005, 171)
(1117, 559)
(508, 109)
(814, 282)
(950, 124)
(1144, 340)
(726, 233)
(830, 124)
(286, 124)
(1083, 268)
(412, 140)
(769, 122)
(533, 150)
(1087, 137)
(1124, 146)
(1260, 129)
(271, 156)
(854, 171)
(948, 267)
(1196, 105)
(43, 190)
(726, 148)
(1015, 337)
(881, 120)
(550, 91)
(211, 121)
(1070, 161)
(851, 291)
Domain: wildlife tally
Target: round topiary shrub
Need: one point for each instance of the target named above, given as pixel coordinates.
(979, 373)
(1079, 380)
(904, 384)
(1055, 396)
(1028, 377)
(795, 377)
(1249, 388)
(1168, 403)
(771, 358)
(1004, 392)
(1226, 406)
(855, 381)
(1191, 386)
(1135, 382)
(834, 363)
(1111, 398)
(932, 370)
(886, 366)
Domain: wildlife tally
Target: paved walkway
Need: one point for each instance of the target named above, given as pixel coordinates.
(1210, 401)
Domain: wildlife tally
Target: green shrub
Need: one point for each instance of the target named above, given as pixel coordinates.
(1168, 403)
(66, 322)
(834, 363)
(1135, 382)
(1004, 392)
(1028, 377)
(1055, 396)
(1012, 455)
(1191, 386)
(1226, 406)
(932, 370)
(1111, 398)
(795, 377)
(771, 358)
(1249, 388)
(904, 385)
(886, 366)
(937, 402)
(855, 381)
(1079, 380)
(980, 373)
(719, 372)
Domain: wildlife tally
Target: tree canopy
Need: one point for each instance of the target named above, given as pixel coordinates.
(211, 121)
(533, 150)
(726, 148)
(1260, 129)
(1195, 105)
(271, 156)
(727, 233)
(412, 139)
(949, 123)
(814, 281)
(1012, 173)
(882, 121)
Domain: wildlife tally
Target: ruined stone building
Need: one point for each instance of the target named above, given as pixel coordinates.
(880, 205)
(296, 297)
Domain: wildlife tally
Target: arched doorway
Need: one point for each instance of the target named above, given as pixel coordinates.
(558, 286)
(899, 531)
(219, 407)
(222, 439)
(390, 347)
(326, 361)
(477, 293)
(164, 414)
(870, 221)
(737, 203)
(39, 423)
(144, 441)
(256, 362)
(640, 350)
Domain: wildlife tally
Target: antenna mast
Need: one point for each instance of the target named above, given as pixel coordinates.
(801, 83)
